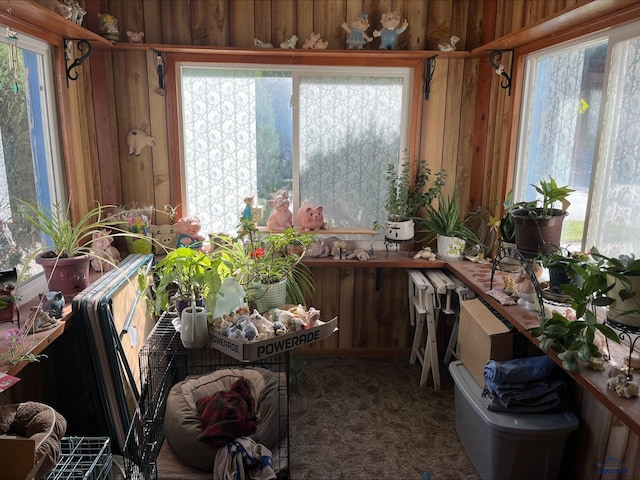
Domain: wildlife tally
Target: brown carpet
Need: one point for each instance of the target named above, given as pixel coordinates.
(367, 418)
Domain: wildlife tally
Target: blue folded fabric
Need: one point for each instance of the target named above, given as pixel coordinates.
(519, 370)
(526, 392)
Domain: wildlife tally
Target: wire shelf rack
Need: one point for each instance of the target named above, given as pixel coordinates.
(86, 458)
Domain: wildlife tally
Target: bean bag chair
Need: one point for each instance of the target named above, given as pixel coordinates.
(39, 422)
(182, 423)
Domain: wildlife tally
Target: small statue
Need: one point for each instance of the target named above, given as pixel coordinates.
(357, 32)
(248, 205)
(103, 255)
(310, 217)
(290, 42)
(314, 41)
(138, 140)
(135, 37)
(449, 47)
(163, 235)
(257, 43)
(108, 26)
(53, 304)
(281, 218)
(188, 232)
(390, 31)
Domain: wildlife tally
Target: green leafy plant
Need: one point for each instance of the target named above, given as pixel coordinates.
(576, 338)
(444, 219)
(188, 274)
(551, 193)
(403, 199)
(19, 348)
(254, 257)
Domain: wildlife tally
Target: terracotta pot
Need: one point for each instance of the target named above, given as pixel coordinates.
(536, 235)
(67, 275)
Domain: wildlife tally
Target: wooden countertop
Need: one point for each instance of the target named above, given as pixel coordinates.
(478, 278)
(393, 259)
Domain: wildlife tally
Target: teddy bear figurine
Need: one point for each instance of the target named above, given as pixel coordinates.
(188, 234)
(391, 28)
(357, 32)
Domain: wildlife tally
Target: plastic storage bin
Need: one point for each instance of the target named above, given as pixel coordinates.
(504, 445)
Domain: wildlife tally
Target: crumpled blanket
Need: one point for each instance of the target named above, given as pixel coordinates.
(228, 414)
(243, 458)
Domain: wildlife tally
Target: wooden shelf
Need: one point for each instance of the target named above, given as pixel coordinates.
(330, 231)
(42, 18)
(291, 53)
(380, 258)
(477, 277)
(600, 14)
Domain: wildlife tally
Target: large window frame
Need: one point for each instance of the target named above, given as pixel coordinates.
(415, 66)
(520, 183)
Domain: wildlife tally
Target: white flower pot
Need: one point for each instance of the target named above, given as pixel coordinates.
(450, 248)
(399, 231)
(194, 331)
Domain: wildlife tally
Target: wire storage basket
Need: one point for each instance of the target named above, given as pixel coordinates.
(86, 458)
(164, 362)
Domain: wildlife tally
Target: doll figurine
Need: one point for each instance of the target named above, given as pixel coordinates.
(390, 22)
(248, 212)
(357, 31)
(188, 232)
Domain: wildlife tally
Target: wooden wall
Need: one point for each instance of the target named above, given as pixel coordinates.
(464, 122)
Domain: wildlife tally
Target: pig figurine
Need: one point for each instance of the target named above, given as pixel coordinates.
(137, 140)
(281, 218)
(310, 217)
(187, 230)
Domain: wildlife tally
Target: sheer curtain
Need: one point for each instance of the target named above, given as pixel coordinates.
(616, 189)
(350, 130)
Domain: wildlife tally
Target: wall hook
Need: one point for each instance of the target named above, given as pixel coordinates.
(429, 69)
(494, 60)
(82, 44)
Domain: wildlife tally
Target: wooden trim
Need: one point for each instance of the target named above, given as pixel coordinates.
(550, 29)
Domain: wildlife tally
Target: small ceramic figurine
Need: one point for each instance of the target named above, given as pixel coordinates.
(257, 43)
(163, 235)
(314, 41)
(108, 26)
(188, 232)
(248, 212)
(310, 217)
(53, 304)
(138, 140)
(449, 47)
(135, 37)
(281, 218)
(390, 22)
(357, 32)
(290, 42)
(103, 255)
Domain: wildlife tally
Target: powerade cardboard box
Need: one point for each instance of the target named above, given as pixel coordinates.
(248, 352)
(482, 337)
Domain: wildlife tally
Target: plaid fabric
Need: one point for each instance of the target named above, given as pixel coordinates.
(227, 415)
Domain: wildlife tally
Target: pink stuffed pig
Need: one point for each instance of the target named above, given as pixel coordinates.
(281, 218)
(310, 217)
(187, 231)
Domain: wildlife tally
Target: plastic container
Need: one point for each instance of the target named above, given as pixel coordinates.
(505, 445)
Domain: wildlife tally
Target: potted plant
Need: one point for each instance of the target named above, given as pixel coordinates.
(185, 275)
(8, 303)
(404, 199)
(623, 275)
(267, 266)
(451, 233)
(580, 336)
(66, 255)
(538, 224)
(561, 266)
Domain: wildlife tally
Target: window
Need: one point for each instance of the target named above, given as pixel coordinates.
(29, 151)
(325, 134)
(579, 126)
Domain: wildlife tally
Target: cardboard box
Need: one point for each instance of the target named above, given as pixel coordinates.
(17, 457)
(482, 337)
(248, 352)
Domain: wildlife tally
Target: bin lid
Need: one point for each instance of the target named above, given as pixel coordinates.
(531, 423)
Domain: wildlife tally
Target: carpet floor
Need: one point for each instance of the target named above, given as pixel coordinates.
(368, 418)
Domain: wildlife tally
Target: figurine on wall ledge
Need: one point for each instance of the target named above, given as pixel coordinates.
(357, 32)
(257, 43)
(135, 37)
(281, 218)
(108, 26)
(390, 22)
(290, 42)
(188, 232)
(248, 205)
(310, 217)
(137, 140)
(449, 47)
(314, 41)
(103, 255)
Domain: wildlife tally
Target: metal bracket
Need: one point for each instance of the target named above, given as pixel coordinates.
(429, 69)
(81, 44)
(494, 60)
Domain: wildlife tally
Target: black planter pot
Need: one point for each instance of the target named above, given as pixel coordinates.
(535, 234)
